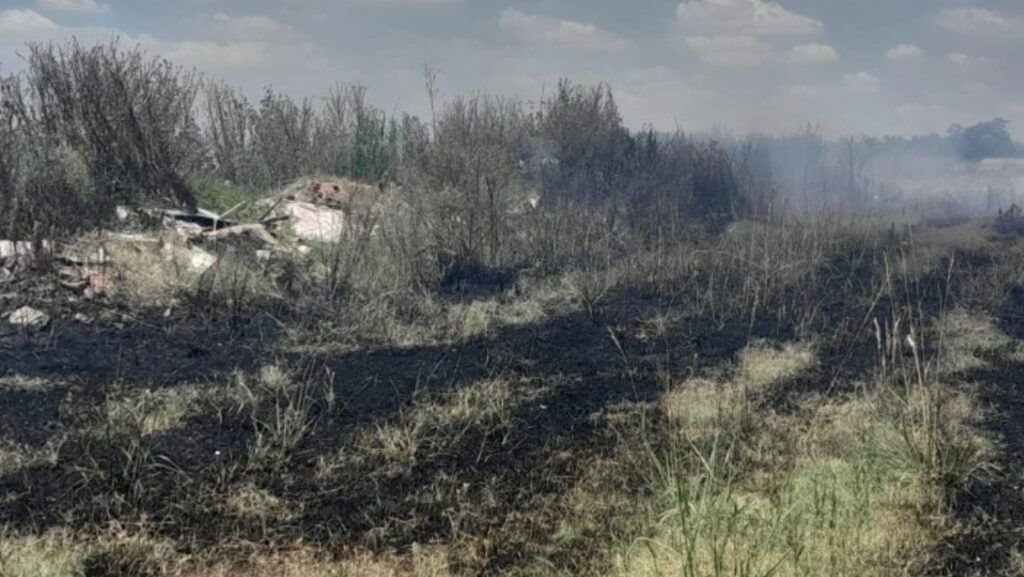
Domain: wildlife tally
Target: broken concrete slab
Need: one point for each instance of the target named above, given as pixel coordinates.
(22, 249)
(200, 260)
(203, 218)
(28, 317)
(193, 258)
(311, 222)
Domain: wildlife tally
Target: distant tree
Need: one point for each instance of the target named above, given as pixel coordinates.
(583, 129)
(984, 140)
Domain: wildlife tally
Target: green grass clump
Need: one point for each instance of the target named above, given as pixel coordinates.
(740, 491)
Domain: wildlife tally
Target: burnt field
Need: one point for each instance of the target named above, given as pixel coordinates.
(750, 397)
(314, 338)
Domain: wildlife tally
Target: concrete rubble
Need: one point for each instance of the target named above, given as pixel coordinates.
(285, 224)
(22, 250)
(28, 317)
(312, 222)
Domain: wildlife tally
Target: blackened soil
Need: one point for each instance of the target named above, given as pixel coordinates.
(498, 485)
(991, 508)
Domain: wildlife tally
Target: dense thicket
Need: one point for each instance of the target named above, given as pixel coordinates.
(87, 128)
(84, 129)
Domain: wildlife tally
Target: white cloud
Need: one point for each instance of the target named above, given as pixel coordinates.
(75, 6)
(961, 59)
(733, 33)
(25, 23)
(811, 54)
(657, 96)
(903, 53)
(978, 22)
(411, 2)
(958, 58)
(864, 81)
(221, 58)
(742, 18)
(731, 51)
(253, 27)
(555, 34)
(749, 51)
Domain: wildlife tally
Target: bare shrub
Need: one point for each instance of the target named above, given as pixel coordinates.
(229, 131)
(129, 116)
(468, 183)
(281, 139)
(582, 126)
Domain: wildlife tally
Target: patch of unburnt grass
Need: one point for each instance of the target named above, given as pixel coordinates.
(841, 486)
(15, 457)
(436, 423)
(407, 319)
(51, 555)
(147, 411)
(27, 383)
(113, 551)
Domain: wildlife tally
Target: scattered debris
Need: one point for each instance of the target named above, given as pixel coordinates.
(337, 193)
(86, 280)
(202, 218)
(72, 278)
(104, 264)
(11, 250)
(28, 317)
(188, 230)
(197, 259)
(99, 285)
(311, 222)
(257, 231)
(99, 257)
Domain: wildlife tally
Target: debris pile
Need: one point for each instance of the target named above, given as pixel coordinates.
(169, 248)
(323, 211)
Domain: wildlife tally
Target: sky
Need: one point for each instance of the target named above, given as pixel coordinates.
(873, 67)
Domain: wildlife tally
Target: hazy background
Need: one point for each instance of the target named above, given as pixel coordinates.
(865, 67)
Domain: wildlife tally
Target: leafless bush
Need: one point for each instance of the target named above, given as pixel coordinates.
(229, 132)
(128, 115)
(12, 148)
(281, 139)
(468, 183)
(658, 184)
(586, 146)
(285, 138)
(1010, 221)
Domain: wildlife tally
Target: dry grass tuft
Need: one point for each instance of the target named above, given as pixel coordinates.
(149, 412)
(721, 406)
(52, 555)
(15, 456)
(27, 384)
(438, 422)
(762, 364)
(965, 335)
(252, 502)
